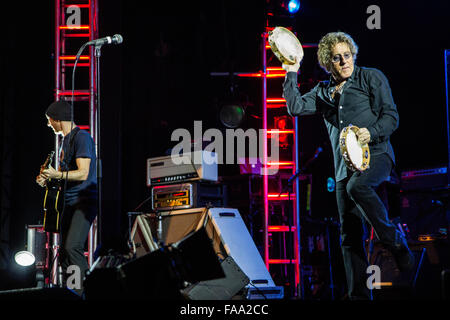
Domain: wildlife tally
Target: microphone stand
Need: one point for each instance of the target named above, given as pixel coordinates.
(299, 172)
(159, 230)
(97, 54)
(97, 132)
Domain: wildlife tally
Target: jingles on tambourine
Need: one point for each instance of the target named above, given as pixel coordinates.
(356, 156)
(285, 45)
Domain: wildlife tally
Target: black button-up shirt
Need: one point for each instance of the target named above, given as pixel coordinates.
(365, 101)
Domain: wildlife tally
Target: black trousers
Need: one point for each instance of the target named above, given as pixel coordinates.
(359, 203)
(75, 224)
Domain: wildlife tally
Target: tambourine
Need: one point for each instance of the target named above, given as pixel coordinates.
(285, 45)
(356, 156)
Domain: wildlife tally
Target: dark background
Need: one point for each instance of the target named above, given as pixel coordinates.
(159, 80)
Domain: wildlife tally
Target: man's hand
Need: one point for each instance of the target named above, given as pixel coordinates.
(363, 136)
(292, 67)
(50, 173)
(40, 180)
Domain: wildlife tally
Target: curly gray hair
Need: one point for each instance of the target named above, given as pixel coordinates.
(327, 43)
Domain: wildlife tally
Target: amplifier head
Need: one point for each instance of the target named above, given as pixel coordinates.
(198, 165)
(172, 197)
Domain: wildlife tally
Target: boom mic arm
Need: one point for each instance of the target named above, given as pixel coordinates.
(115, 39)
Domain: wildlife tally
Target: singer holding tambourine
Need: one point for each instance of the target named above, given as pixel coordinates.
(360, 115)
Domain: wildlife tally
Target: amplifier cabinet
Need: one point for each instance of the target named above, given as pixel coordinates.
(186, 195)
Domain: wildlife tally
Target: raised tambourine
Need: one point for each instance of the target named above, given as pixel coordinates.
(356, 156)
(285, 45)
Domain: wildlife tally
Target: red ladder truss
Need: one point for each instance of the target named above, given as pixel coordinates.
(76, 22)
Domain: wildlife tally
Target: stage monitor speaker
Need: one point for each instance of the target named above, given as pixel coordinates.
(227, 231)
(222, 288)
(196, 258)
(159, 274)
(238, 243)
(152, 276)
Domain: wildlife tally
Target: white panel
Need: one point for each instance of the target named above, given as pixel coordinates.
(239, 244)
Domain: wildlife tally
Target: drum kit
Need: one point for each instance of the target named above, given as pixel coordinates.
(287, 48)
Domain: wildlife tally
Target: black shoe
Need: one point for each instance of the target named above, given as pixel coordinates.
(403, 256)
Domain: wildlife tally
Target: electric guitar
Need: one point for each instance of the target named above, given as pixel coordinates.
(52, 199)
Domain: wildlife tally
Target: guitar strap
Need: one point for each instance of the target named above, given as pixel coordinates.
(70, 149)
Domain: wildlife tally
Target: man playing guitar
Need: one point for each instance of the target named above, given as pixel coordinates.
(78, 174)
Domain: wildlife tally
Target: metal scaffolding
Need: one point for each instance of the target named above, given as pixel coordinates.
(76, 22)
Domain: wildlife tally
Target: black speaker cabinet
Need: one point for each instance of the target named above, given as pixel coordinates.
(219, 289)
(227, 232)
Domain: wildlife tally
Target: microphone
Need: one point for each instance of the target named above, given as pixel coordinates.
(115, 39)
(314, 157)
